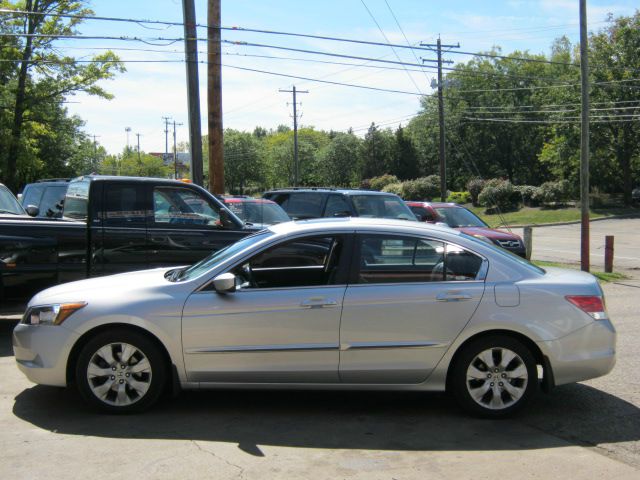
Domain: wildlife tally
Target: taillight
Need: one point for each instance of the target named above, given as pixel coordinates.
(593, 305)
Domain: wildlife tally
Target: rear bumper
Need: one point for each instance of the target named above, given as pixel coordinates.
(586, 353)
(41, 352)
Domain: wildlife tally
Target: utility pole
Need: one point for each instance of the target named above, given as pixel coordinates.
(296, 165)
(128, 131)
(214, 81)
(175, 151)
(166, 138)
(95, 154)
(584, 140)
(139, 135)
(193, 90)
(443, 159)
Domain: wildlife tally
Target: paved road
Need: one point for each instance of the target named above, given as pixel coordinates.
(583, 431)
(562, 243)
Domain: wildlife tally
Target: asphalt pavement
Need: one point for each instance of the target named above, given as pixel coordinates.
(589, 430)
(561, 243)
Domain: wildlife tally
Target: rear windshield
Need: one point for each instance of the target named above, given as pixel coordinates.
(457, 217)
(506, 253)
(382, 206)
(77, 200)
(261, 212)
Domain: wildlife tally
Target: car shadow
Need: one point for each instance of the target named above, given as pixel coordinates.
(408, 421)
(6, 327)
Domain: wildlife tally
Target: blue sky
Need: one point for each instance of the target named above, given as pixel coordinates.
(149, 91)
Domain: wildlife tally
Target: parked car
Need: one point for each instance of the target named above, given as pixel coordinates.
(257, 211)
(45, 195)
(9, 205)
(460, 218)
(111, 225)
(635, 194)
(356, 303)
(304, 203)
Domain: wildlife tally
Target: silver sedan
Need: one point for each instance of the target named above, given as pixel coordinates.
(334, 303)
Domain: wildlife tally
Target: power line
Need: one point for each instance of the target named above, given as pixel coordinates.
(392, 48)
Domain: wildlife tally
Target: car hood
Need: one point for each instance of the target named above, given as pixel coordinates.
(84, 290)
(489, 233)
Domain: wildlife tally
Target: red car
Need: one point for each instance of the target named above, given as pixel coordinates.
(458, 217)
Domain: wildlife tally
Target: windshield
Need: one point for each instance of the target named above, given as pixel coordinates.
(506, 253)
(266, 213)
(8, 203)
(229, 251)
(457, 217)
(382, 206)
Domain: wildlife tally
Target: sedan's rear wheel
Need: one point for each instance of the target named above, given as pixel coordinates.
(120, 371)
(494, 376)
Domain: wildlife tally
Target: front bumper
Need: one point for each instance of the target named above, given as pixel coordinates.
(41, 352)
(586, 353)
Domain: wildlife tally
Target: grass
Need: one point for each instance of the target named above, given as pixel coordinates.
(537, 216)
(602, 276)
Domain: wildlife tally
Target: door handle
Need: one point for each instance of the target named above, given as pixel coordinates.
(453, 297)
(318, 303)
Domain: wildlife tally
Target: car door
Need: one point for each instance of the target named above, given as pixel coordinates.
(408, 299)
(185, 227)
(282, 323)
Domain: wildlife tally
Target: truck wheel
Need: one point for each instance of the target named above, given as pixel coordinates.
(120, 371)
(494, 376)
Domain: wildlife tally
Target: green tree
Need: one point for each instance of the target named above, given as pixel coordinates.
(243, 161)
(339, 160)
(38, 79)
(377, 152)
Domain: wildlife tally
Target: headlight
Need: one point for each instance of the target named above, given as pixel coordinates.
(51, 314)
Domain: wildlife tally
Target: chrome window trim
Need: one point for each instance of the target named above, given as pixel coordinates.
(265, 348)
(273, 269)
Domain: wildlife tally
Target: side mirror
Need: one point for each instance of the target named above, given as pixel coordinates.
(225, 283)
(225, 218)
(32, 210)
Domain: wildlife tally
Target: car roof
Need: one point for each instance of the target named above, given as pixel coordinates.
(97, 178)
(343, 191)
(349, 223)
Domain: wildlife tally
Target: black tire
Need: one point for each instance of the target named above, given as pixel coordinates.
(134, 385)
(502, 390)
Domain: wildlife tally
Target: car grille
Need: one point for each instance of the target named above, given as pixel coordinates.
(510, 244)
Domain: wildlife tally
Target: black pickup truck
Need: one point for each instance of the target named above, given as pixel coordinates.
(111, 225)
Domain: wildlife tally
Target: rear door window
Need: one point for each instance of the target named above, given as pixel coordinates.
(125, 206)
(337, 206)
(302, 205)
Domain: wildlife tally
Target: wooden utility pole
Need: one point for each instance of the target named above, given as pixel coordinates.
(214, 80)
(193, 89)
(443, 160)
(296, 163)
(584, 139)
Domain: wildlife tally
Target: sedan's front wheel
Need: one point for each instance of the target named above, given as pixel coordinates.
(494, 376)
(120, 371)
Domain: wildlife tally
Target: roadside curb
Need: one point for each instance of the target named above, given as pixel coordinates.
(574, 222)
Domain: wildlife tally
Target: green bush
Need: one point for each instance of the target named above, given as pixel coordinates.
(553, 193)
(378, 183)
(474, 187)
(394, 188)
(529, 194)
(459, 197)
(423, 188)
(499, 193)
